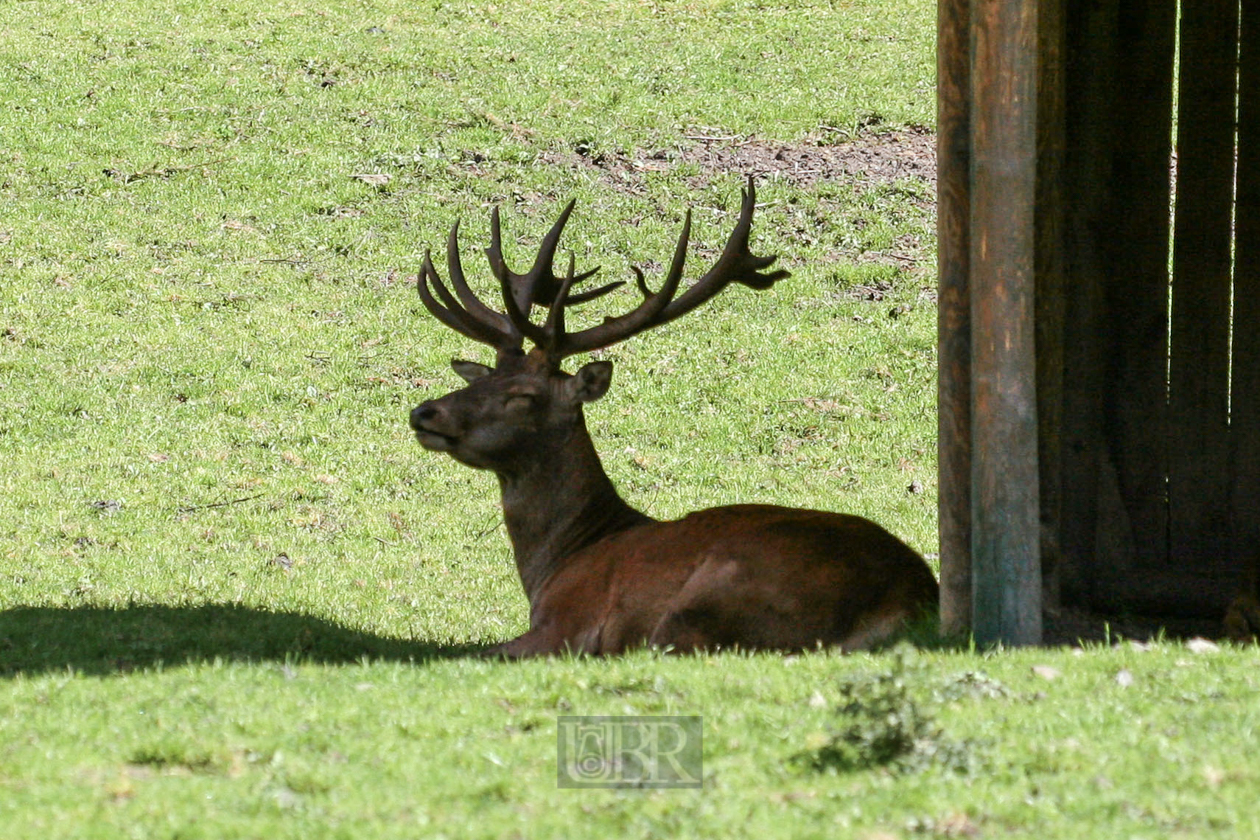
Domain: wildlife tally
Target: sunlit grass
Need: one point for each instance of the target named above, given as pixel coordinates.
(235, 594)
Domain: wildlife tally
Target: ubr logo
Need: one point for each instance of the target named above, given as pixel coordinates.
(616, 752)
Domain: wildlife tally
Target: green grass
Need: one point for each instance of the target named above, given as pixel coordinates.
(394, 748)
(204, 306)
(235, 594)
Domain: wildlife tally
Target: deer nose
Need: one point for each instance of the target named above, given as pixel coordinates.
(422, 414)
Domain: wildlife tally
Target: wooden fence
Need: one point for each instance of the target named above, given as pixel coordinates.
(1099, 309)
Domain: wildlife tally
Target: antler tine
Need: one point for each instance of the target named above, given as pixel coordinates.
(498, 266)
(472, 304)
(453, 316)
(521, 291)
(554, 328)
(540, 282)
(583, 297)
(737, 264)
(547, 251)
(645, 315)
(516, 312)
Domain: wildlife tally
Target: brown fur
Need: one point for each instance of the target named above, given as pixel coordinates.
(602, 577)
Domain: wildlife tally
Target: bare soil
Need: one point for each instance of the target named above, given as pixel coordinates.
(883, 157)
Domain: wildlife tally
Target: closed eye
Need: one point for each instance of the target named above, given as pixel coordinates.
(520, 402)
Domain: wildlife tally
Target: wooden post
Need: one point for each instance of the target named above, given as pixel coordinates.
(953, 211)
(1006, 569)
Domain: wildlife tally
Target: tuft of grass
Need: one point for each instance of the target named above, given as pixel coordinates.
(885, 725)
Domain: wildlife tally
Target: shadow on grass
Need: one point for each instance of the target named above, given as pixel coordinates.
(924, 633)
(103, 640)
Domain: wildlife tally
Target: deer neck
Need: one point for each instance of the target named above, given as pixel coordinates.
(558, 504)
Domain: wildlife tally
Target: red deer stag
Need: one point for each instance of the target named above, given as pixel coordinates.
(600, 576)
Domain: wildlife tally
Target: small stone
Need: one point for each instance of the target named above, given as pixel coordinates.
(1201, 645)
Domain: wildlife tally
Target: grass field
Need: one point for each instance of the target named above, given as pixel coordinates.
(235, 594)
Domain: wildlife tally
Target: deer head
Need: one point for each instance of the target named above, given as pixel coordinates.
(525, 409)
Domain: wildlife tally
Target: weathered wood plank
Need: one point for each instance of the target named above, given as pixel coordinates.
(1245, 386)
(953, 141)
(1051, 286)
(1135, 516)
(1119, 78)
(1198, 490)
(1090, 58)
(1006, 570)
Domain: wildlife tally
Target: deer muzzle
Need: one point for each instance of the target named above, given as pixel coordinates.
(426, 420)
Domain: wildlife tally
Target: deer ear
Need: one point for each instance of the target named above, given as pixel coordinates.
(470, 371)
(591, 381)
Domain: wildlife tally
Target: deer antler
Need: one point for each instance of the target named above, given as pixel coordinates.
(506, 331)
(472, 318)
(539, 283)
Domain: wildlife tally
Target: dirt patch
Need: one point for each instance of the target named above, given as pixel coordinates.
(874, 158)
(883, 158)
